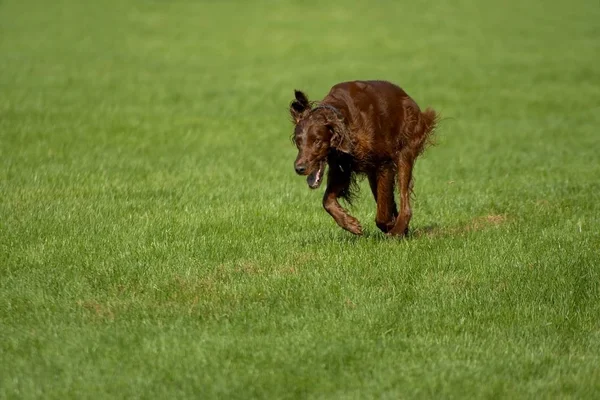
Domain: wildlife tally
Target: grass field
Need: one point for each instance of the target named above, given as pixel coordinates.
(156, 243)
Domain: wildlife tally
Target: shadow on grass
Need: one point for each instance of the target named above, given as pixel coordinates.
(435, 230)
(475, 225)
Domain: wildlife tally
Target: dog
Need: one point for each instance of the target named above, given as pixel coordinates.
(370, 128)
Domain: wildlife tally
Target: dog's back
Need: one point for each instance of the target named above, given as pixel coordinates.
(382, 118)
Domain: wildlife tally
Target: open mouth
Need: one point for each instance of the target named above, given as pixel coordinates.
(315, 178)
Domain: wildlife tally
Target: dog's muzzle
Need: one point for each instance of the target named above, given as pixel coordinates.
(315, 178)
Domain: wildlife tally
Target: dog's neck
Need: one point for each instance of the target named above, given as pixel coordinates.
(337, 112)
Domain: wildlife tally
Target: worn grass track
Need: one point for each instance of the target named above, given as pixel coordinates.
(155, 241)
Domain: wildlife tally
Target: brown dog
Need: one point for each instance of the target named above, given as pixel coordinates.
(362, 127)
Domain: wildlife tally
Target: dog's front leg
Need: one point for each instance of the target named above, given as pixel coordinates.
(333, 207)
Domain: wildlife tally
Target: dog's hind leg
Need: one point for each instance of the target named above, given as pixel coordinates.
(406, 162)
(382, 186)
(338, 184)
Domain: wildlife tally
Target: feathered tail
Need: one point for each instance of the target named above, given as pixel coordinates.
(426, 127)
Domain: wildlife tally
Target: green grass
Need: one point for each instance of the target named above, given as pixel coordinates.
(156, 243)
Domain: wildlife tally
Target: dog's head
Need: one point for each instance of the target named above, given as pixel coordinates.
(317, 131)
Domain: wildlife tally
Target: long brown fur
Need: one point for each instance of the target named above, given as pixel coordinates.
(363, 127)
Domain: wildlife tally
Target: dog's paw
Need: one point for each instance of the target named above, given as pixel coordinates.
(400, 228)
(353, 226)
(400, 233)
(385, 227)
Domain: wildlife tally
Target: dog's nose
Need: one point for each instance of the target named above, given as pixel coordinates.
(300, 169)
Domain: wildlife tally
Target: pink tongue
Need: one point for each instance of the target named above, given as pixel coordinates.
(314, 179)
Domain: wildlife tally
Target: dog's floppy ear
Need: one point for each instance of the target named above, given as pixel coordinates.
(299, 106)
(340, 138)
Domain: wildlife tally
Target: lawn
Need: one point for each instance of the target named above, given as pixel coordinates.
(155, 241)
